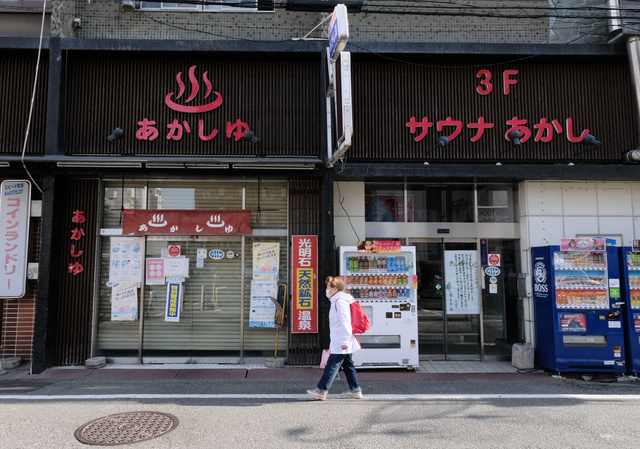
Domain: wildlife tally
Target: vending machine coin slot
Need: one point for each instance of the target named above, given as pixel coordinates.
(613, 315)
(405, 307)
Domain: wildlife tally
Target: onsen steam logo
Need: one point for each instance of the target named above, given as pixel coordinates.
(540, 276)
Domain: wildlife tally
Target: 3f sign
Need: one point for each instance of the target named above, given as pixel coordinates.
(487, 86)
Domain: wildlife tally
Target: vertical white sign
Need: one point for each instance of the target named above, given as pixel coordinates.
(125, 261)
(461, 277)
(15, 211)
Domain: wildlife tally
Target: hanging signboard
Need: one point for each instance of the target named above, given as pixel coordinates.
(304, 276)
(461, 276)
(15, 211)
(186, 222)
(338, 31)
(262, 312)
(126, 256)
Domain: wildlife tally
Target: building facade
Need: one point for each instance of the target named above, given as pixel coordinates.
(145, 106)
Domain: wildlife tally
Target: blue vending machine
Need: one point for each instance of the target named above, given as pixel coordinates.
(577, 306)
(630, 264)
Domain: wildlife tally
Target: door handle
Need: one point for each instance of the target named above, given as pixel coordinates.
(202, 298)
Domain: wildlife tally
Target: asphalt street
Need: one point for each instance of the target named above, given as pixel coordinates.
(270, 409)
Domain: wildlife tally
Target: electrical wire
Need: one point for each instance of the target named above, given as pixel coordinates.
(33, 97)
(341, 201)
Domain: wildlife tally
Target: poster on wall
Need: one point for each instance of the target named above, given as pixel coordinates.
(126, 258)
(155, 271)
(266, 260)
(304, 291)
(263, 309)
(15, 210)
(461, 275)
(124, 301)
(174, 299)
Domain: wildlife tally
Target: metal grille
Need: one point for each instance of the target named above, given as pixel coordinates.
(75, 298)
(304, 219)
(17, 74)
(387, 95)
(278, 100)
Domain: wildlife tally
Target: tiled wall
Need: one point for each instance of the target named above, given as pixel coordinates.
(106, 19)
(552, 210)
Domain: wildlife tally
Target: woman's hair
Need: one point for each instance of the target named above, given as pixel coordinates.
(335, 282)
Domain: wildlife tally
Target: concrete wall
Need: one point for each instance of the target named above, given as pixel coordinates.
(477, 23)
(348, 209)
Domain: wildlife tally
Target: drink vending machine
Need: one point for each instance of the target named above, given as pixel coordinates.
(578, 321)
(385, 286)
(630, 279)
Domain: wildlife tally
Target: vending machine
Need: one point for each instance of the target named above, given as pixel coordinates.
(384, 283)
(578, 322)
(630, 280)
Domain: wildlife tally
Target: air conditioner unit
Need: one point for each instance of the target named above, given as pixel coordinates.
(130, 5)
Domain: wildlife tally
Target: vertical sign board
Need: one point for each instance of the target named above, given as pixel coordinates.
(338, 31)
(15, 211)
(344, 115)
(304, 258)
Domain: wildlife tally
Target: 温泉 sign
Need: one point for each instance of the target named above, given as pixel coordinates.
(15, 210)
(304, 258)
(338, 31)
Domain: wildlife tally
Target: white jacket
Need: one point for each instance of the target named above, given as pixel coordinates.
(340, 325)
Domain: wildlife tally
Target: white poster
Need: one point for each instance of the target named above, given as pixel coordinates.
(266, 260)
(127, 254)
(262, 312)
(461, 276)
(124, 301)
(177, 266)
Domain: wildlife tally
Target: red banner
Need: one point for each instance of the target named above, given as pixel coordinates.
(304, 261)
(185, 222)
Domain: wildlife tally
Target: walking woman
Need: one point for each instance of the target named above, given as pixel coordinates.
(343, 343)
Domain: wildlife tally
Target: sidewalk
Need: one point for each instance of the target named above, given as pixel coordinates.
(428, 371)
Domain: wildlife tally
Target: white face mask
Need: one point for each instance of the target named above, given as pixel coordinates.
(327, 293)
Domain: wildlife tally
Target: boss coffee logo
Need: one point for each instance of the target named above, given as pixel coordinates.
(540, 276)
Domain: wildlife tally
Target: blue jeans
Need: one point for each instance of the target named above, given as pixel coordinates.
(334, 363)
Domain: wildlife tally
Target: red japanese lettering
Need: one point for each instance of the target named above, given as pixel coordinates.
(488, 87)
(425, 124)
(237, 129)
(481, 125)
(518, 125)
(450, 122)
(570, 132)
(147, 130)
(508, 81)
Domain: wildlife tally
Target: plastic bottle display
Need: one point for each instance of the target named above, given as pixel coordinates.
(378, 277)
(581, 281)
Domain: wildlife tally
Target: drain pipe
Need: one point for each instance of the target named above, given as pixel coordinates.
(633, 53)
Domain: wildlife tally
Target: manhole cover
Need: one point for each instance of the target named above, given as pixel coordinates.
(126, 428)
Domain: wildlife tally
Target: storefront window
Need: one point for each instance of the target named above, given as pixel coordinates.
(384, 203)
(496, 204)
(115, 201)
(215, 303)
(441, 203)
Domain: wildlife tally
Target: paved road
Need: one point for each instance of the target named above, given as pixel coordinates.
(270, 410)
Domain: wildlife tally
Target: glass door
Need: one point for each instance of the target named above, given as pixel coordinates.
(448, 303)
(208, 329)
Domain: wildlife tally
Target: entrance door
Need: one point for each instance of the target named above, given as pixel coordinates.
(209, 328)
(447, 292)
